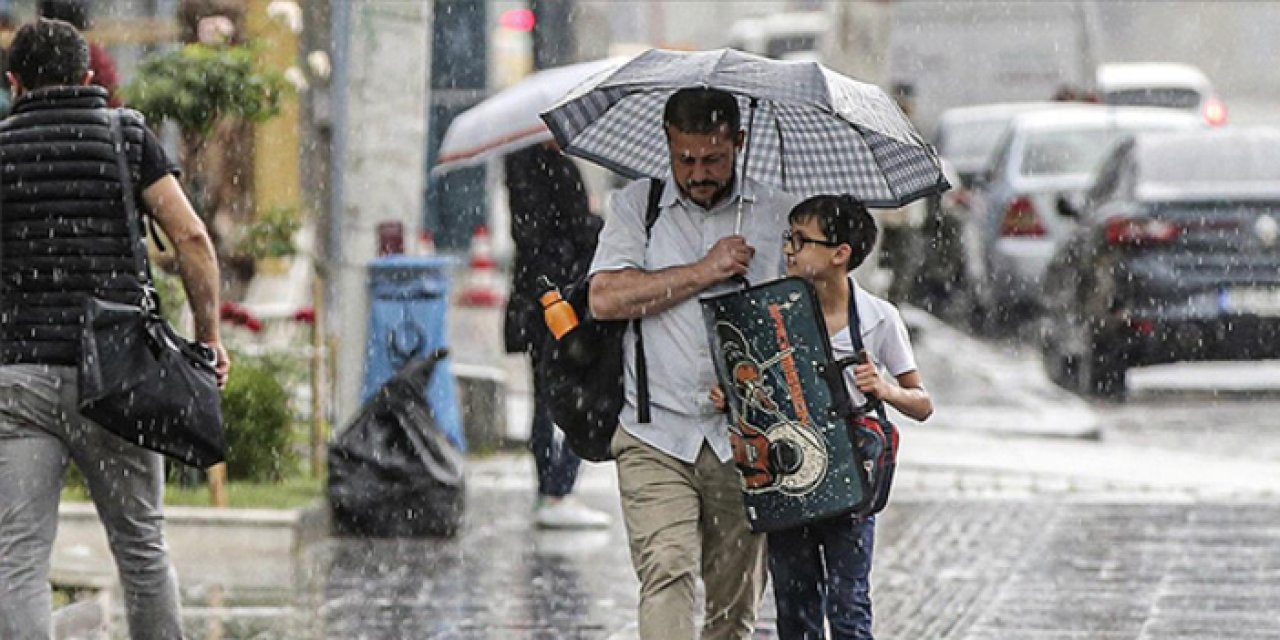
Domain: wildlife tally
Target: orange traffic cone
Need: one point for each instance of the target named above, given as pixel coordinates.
(426, 243)
(483, 288)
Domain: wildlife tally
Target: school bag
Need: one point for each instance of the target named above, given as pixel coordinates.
(582, 372)
(874, 437)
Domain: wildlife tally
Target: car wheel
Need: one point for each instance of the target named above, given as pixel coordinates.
(1101, 369)
(1058, 365)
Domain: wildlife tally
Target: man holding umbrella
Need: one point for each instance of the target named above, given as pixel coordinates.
(680, 491)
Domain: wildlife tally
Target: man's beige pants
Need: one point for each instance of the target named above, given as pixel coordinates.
(683, 519)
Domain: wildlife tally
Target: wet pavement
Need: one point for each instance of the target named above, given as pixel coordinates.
(960, 554)
(995, 532)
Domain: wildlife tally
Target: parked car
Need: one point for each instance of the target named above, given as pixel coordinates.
(1176, 257)
(1046, 158)
(966, 138)
(783, 36)
(1159, 84)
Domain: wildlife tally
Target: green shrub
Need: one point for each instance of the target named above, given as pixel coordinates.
(198, 85)
(259, 421)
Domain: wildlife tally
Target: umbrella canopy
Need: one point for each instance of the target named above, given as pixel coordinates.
(508, 120)
(811, 130)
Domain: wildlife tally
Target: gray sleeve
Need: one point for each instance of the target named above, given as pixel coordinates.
(622, 241)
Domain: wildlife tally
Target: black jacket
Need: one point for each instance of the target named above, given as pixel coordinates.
(554, 232)
(62, 220)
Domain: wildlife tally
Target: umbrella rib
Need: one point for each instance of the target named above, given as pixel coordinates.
(477, 150)
(782, 151)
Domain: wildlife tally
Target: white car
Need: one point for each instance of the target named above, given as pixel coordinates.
(967, 136)
(1016, 218)
(782, 36)
(1160, 84)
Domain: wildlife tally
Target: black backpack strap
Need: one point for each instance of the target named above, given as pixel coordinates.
(642, 371)
(855, 335)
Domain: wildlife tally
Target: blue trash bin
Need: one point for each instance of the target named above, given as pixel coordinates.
(409, 297)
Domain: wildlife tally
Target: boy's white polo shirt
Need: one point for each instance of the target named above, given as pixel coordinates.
(884, 335)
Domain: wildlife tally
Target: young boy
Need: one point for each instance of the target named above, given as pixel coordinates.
(827, 564)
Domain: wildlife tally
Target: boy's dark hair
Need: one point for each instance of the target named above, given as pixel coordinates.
(48, 53)
(702, 110)
(76, 12)
(843, 219)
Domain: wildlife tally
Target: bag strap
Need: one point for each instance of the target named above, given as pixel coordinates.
(2, 281)
(642, 370)
(855, 335)
(132, 218)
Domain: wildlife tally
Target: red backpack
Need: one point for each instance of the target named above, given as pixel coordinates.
(874, 437)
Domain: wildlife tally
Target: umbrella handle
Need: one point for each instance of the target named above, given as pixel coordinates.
(746, 159)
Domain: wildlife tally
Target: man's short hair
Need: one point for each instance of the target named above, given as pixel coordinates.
(702, 110)
(76, 12)
(48, 53)
(843, 219)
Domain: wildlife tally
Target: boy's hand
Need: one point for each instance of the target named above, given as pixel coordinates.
(730, 256)
(718, 399)
(869, 381)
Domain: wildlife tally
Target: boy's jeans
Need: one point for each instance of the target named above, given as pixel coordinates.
(40, 430)
(802, 587)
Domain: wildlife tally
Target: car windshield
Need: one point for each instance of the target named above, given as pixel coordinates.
(971, 142)
(781, 47)
(1209, 163)
(1067, 151)
(1155, 97)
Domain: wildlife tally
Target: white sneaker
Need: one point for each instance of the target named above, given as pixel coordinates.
(567, 513)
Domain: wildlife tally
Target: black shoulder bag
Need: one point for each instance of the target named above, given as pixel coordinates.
(138, 378)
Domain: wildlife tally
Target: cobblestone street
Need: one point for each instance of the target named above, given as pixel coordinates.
(955, 562)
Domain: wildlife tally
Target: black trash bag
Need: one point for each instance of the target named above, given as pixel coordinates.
(393, 472)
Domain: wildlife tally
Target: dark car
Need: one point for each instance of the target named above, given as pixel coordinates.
(1176, 257)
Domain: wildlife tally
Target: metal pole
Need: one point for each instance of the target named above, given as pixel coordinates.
(746, 158)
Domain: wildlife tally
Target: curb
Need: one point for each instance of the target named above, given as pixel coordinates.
(1001, 393)
(250, 549)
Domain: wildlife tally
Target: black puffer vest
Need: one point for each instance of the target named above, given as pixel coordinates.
(62, 220)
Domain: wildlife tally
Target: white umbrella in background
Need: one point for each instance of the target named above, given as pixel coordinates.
(508, 120)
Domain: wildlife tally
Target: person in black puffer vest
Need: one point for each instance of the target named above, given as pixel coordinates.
(555, 236)
(63, 237)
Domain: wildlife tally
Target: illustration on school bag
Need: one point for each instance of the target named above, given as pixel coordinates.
(804, 451)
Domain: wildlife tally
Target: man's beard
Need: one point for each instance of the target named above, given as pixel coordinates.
(722, 189)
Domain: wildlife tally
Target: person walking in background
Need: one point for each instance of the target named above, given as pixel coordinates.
(79, 13)
(555, 235)
(821, 571)
(680, 491)
(901, 244)
(63, 237)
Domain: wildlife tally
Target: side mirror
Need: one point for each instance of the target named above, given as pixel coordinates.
(1069, 206)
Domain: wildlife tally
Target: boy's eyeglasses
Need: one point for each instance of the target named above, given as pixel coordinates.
(797, 241)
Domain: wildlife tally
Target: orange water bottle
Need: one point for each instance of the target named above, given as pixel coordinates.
(558, 313)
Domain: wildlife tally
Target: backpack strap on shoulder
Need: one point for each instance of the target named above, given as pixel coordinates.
(642, 371)
(860, 350)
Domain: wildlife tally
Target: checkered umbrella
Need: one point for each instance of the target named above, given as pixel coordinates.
(810, 129)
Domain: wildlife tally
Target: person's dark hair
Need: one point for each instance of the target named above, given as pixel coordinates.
(76, 12)
(702, 110)
(843, 219)
(48, 53)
